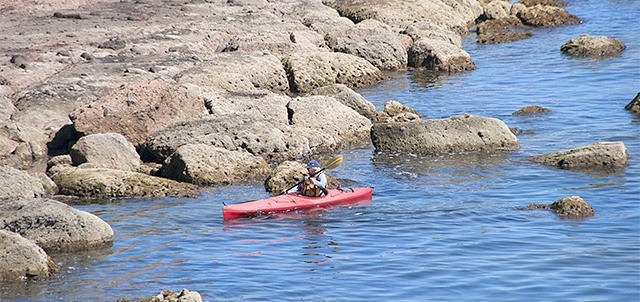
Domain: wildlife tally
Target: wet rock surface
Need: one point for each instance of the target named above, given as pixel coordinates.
(572, 207)
(602, 156)
(593, 46)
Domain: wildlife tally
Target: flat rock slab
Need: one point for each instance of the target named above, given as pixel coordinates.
(110, 183)
(600, 156)
(463, 133)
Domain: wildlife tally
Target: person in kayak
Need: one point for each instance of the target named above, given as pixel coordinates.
(314, 184)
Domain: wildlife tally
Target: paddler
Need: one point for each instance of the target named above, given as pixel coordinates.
(314, 184)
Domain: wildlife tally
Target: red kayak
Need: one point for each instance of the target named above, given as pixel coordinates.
(291, 202)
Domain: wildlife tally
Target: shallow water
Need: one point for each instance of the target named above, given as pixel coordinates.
(438, 228)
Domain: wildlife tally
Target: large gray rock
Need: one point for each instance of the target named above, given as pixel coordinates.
(206, 165)
(593, 46)
(605, 156)
(274, 131)
(105, 150)
(21, 259)
(327, 124)
(448, 19)
(348, 97)
(53, 225)
(19, 183)
(310, 70)
(379, 46)
(110, 183)
(437, 48)
(273, 140)
(456, 15)
(138, 109)
(237, 71)
(463, 133)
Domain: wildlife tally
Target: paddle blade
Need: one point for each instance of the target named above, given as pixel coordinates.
(336, 161)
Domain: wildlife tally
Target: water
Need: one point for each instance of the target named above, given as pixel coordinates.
(441, 229)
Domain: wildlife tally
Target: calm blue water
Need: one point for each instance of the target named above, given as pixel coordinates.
(438, 229)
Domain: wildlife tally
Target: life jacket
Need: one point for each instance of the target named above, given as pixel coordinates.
(309, 189)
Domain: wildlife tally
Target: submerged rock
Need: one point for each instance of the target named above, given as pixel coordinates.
(634, 105)
(531, 110)
(503, 30)
(572, 207)
(169, 296)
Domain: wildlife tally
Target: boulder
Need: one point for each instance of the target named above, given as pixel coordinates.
(607, 156)
(53, 225)
(259, 136)
(436, 48)
(310, 70)
(19, 183)
(634, 105)
(301, 127)
(21, 259)
(348, 97)
(572, 207)
(326, 124)
(137, 110)
(259, 103)
(110, 183)
(546, 16)
(379, 46)
(237, 71)
(496, 9)
(206, 165)
(449, 19)
(592, 46)
(398, 14)
(439, 55)
(463, 133)
(105, 150)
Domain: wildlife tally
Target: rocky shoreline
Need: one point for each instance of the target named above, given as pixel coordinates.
(152, 98)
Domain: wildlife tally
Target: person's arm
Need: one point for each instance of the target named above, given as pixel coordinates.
(320, 181)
